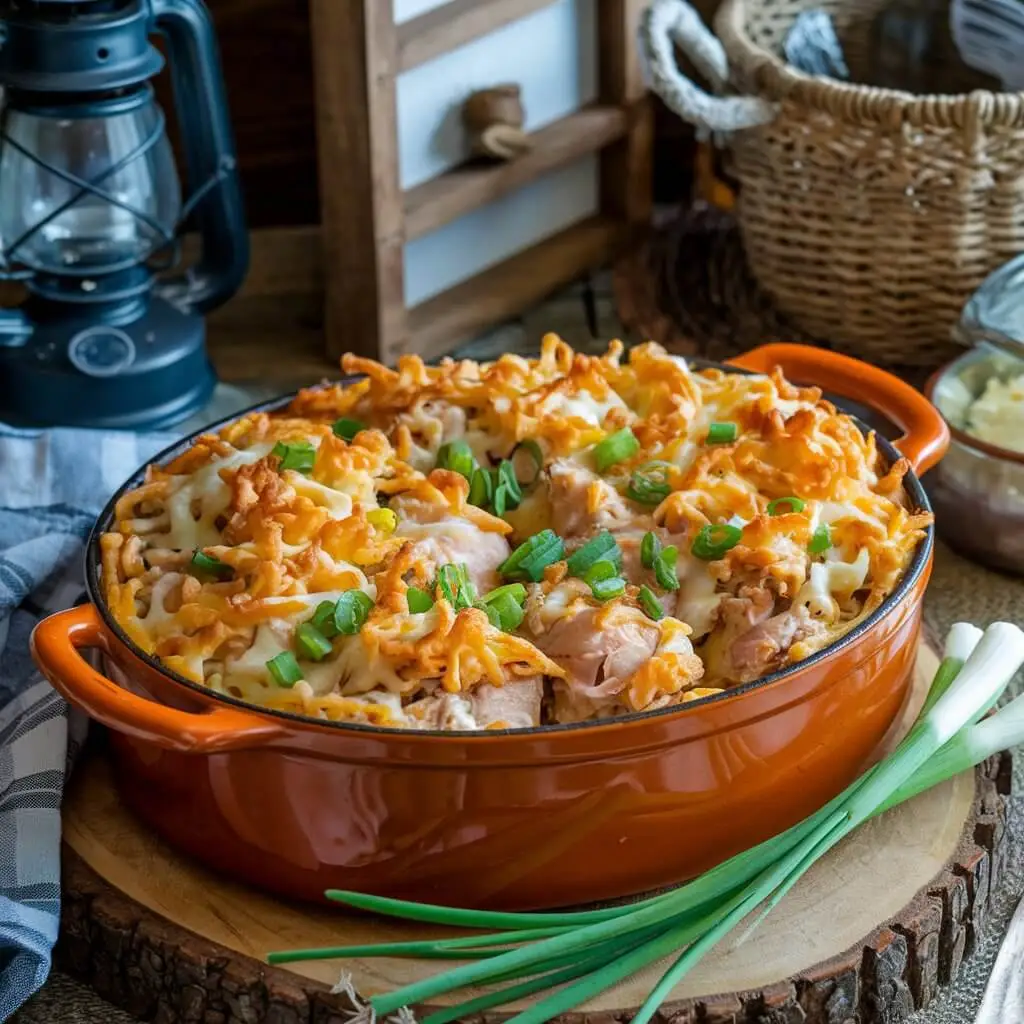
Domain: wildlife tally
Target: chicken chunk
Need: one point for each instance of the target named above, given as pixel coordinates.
(752, 638)
(736, 616)
(761, 649)
(515, 705)
(750, 607)
(581, 502)
(602, 659)
(430, 424)
(441, 538)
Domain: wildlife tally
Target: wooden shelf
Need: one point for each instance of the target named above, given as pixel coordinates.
(453, 24)
(504, 290)
(276, 339)
(450, 195)
(368, 218)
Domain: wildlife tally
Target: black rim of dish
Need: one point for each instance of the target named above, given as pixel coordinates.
(915, 493)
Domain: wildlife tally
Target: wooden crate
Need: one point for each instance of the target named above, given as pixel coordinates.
(367, 218)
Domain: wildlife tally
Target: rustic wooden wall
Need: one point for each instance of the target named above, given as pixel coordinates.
(266, 54)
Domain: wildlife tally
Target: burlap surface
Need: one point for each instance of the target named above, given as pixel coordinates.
(958, 590)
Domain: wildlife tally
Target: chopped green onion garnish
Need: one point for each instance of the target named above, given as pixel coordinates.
(467, 584)
(312, 644)
(504, 612)
(649, 484)
(536, 455)
(492, 613)
(615, 448)
(323, 619)
(481, 488)
(603, 546)
(780, 506)
(297, 455)
(500, 502)
(516, 590)
(650, 548)
(505, 488)
(418, 600)
(507, 476)
(603, 570)
(284, 669)
(821, 540)
(721, 433)
(347, 428)
(351, 611)
(714, 541)
(208, 564)
(606, 589)
(458, 457)
(532, 557)
(650, 603)
(665, 568)
(455, 584)
(448, 581)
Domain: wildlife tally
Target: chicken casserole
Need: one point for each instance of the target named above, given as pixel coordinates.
(513, 544)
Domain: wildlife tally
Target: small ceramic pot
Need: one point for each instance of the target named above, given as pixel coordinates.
(978, 488)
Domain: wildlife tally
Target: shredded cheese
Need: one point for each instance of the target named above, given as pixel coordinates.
(375, 514)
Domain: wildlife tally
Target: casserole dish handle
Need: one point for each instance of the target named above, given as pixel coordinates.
(925, 434)
(57, 643)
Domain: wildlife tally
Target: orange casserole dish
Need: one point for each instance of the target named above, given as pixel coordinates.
(368, 658)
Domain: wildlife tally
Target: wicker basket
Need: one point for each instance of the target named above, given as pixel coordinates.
(868, 215)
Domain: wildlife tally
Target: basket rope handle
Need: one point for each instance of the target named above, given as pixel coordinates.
(670, 23)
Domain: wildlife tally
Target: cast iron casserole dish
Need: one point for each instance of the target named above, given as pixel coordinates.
(528, 818)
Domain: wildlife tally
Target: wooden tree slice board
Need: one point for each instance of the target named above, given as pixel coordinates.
(867, 935)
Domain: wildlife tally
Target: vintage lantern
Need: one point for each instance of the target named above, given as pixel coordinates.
(91, 207)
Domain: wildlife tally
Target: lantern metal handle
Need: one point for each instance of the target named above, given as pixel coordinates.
(209, 153)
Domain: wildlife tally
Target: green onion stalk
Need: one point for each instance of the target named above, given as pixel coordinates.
(576, 955)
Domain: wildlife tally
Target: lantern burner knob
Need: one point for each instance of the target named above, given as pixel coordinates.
(101, 351)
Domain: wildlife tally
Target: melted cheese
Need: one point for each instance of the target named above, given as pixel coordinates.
(455, 712)
(559, 601)
(306, 604)
(681, 453)
(337, 502)
(157, 620)
(698, 597)
(458, 531)
(582, 406)
(291, 540)
(411, 627)
(831, 582)
(207, 489)
(272, 638)
(830, 512)
(816, 595)
(846, 577)
(276, 635)
(362, 670)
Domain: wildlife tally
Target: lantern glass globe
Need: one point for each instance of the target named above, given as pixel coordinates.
(81, 231)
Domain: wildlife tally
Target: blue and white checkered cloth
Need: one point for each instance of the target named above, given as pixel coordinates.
(52, 485)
